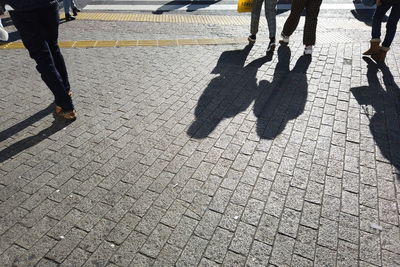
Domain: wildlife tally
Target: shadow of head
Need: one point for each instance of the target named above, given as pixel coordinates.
(232, 60)
(302, 64)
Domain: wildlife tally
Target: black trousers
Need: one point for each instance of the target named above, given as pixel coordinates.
(310, 26)
(39, 33)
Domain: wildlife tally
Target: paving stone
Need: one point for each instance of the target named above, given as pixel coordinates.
(208, 224)
(123, 228)
(275, 204)
(243, 238)
(259, 254)
(233, 259)
(168, 256)
(370, 248)
(300, 261)
(95, 237)
(310, 215)
(325, 257)
(191, 255)
(350, 203)
(349, 228)
(289, 222)
(218, 246)
(125, 253)
(347, 254)
(282, 250)
(327, 234)
(67, 244)
(306, 242)
(102, 255)
(77, 258)
(182, 232)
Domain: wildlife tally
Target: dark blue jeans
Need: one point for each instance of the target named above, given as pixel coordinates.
(39, 33)
(391, 24)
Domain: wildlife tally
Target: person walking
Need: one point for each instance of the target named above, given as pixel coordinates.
(3, 33)
(270, 14)
(378, 53)
(37, 22)
(310, 26)
(70, 4)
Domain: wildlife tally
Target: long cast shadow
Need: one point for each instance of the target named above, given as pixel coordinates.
(30, 141)
(384, 123)
(228, 94)
(26, 123)
(284, 98)
(191, 5)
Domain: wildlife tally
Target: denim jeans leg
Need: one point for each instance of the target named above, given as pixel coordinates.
(73, 5)
(380, 12)
(67, 6)
(50, 20)
(31, 30)
(391, 25)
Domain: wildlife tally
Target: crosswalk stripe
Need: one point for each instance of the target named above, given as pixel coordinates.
(215, 7)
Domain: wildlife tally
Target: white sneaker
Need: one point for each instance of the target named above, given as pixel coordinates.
(284, 38)
(3, 34)
(308, 50)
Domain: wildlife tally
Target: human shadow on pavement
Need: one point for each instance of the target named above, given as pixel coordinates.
(191, 5)
(284, 98)
(384, 122)
(26, 123)
(228, 94)
(363, 15)
(30, 141)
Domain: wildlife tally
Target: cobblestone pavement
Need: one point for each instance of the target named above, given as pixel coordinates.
(202, 155)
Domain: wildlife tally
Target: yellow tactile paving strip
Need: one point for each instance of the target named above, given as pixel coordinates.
(224, 20)
(130, 43)
(325, 24)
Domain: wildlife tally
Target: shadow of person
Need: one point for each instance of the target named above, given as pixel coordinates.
(196, 5)
(227, 94)
(362, 14)
(384, 123)
(191, 5)
(284, 98)
(26, 123)
(30, 141)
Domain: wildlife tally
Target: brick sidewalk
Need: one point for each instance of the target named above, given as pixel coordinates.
(202, 155)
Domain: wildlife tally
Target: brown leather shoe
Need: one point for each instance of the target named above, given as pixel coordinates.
(66, 115)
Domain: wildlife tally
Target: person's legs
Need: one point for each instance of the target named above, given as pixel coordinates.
(270, 14)
(255, 16)
(67, 6)
(73, 5)
(29, 26)
(391, 25)
(50, 21)
(310, 25)
(293, 20)
(380, 12)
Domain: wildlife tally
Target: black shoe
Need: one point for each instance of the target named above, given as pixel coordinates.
(271, 47)
(252, 38)
(68, 17)
(75, 11)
